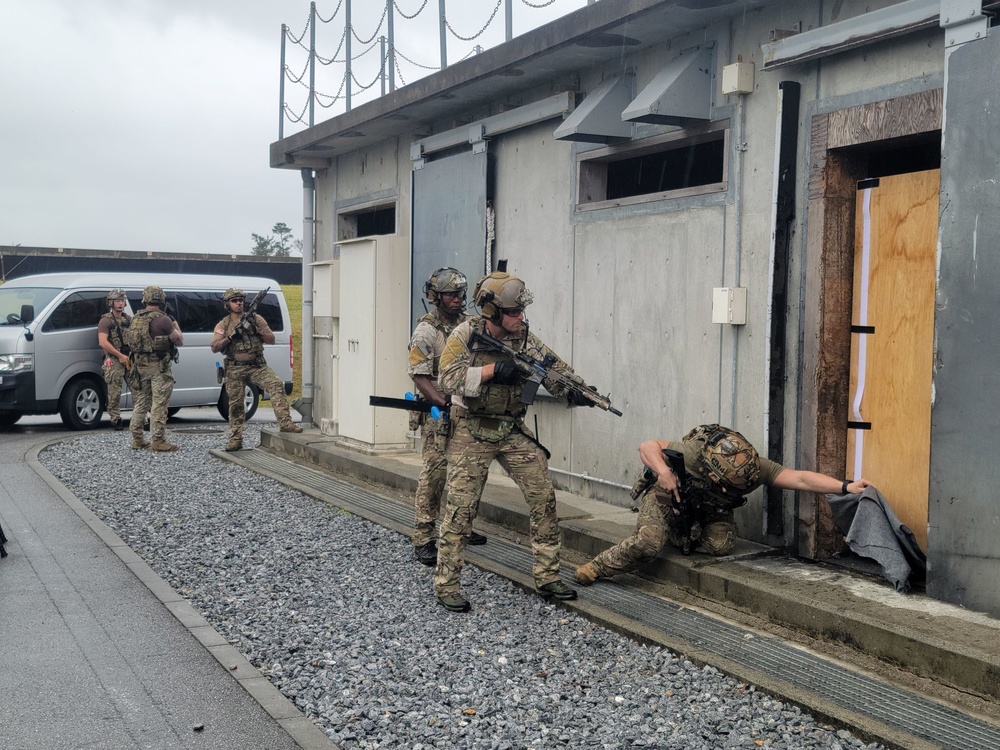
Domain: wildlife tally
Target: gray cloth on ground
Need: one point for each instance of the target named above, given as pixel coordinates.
(873, 530)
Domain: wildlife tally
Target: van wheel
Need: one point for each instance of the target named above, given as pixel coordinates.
(172, 410)
(80, 405)
(7, 418)
(251, 399)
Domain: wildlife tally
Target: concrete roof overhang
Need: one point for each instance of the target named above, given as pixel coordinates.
(582, 40)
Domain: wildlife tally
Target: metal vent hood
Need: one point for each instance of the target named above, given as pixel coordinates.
(680, 94)
(599, 117)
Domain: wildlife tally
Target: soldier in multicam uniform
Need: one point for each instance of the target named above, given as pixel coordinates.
(242, 341)
(488, 423)
(111, 338)
(153, 338)
(723, 467)
(445, 289)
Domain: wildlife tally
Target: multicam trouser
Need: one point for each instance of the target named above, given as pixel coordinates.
(430, 485)
(238, 374)
(657, 525)
(114, 374)
(469, 462)
(152, 396)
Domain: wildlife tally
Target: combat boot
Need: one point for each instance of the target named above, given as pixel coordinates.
(557, 590)
(234, 444)
(162, 446)
(118, 425)
(426, 554)
(290, 427)
(138, 443)
(454, 602)
(586, 574)
(476, 539)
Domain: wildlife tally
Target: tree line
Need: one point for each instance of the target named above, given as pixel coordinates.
(279, 244)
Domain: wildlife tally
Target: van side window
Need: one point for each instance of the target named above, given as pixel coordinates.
(270, 310)
(198, 312)
(78, 310)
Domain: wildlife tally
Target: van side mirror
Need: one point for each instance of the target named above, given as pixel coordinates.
(27, 314)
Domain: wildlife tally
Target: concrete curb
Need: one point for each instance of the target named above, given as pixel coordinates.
(299, 727)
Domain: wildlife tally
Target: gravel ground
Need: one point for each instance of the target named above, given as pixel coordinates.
(342, 619)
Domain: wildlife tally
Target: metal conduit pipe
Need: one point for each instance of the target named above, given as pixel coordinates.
(305, 406)
(589, 478)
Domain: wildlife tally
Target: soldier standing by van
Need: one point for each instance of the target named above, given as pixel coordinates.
(445, 289)
(111, 338)
(242, 340)
(153, 338)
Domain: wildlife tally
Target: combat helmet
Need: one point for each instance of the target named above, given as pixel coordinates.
(232, 293)
(115, 294)
(445, 280)
(153, 295)
(728, 458)
(500, 291)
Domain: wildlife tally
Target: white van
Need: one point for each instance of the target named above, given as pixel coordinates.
(50, 362)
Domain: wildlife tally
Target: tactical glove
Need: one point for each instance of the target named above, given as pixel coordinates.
(578, 399)
(505, 372)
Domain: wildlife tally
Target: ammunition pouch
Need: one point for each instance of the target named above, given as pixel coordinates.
(490, 428)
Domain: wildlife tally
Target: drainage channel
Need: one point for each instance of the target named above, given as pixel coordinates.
(858, 693)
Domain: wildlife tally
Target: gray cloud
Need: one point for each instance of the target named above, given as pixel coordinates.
(145, 124)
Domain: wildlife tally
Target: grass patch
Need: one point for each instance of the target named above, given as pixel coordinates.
(293, 298)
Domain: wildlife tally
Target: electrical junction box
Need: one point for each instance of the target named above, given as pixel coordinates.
(729, 305)
(738, 78)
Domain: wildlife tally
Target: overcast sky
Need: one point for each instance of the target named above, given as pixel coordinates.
(145, 124)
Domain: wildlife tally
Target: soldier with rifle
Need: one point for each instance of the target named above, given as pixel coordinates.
(111, 338)
(153, 339)
(445, 290)
(492, 366)
(689, 490)
(241, 336)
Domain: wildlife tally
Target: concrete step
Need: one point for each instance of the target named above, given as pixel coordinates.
(926, 645)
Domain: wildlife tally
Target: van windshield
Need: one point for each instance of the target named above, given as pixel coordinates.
(20, 305)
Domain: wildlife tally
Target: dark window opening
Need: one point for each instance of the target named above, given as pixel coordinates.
(689, 166)
(674, 165)
(368, 222)
(377, 221)
(913, 157)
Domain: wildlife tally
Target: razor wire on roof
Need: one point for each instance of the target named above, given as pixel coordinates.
(389, 68)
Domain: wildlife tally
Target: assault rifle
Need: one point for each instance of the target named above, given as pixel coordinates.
(246, 324)
(410, 403)
(536, 372)
(687, 510)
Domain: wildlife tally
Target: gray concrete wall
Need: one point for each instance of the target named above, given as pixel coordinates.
(964, 519)
(625, 293)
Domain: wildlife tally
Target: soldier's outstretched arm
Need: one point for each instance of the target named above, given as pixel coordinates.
(813, 481)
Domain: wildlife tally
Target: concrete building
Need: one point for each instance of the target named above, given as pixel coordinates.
(775, 214)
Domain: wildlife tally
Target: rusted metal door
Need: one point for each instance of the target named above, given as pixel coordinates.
(892, 340)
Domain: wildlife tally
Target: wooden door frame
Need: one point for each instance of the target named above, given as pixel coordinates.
(828, 288)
